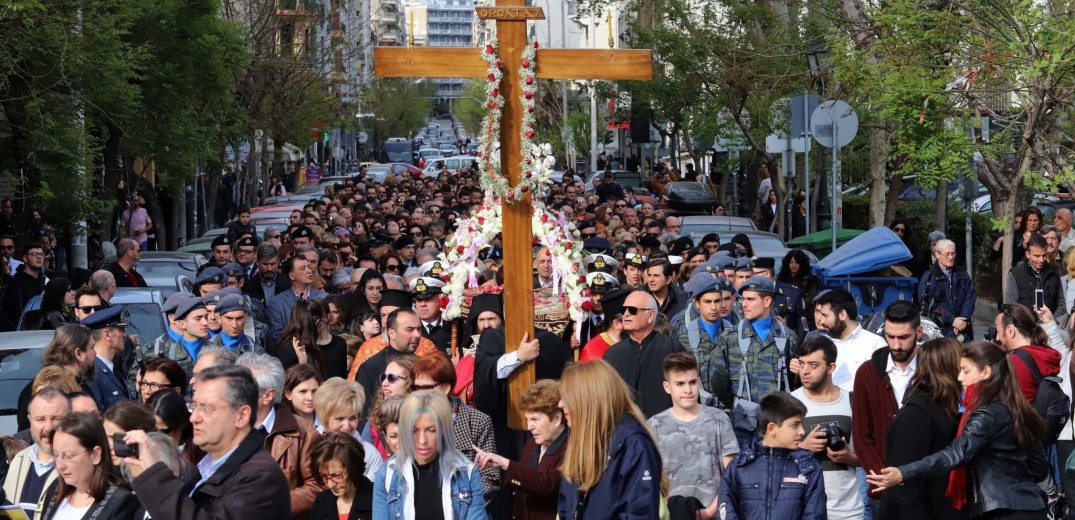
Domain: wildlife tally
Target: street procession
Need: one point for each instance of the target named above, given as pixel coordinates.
(548, 260)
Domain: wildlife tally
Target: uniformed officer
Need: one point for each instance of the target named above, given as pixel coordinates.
(107, 387)
(633, 270)
(433, 269)
(235, 279)
(246, 254)
(302, 236)
(427, 292)
(221, 251)
(600, 284)
(210, 279)
(239, 333)
(192, 319)
(751, 359)
(600, 262)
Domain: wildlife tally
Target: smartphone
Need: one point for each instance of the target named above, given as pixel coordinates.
(1039, 298)
(121, 449)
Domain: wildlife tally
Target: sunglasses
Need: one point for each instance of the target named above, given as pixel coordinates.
(391, 267)
(621, 206)
(392, 378)
(631, 309)
(86, 309)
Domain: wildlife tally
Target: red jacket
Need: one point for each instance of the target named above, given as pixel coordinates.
(872, 410)
(1048, 364)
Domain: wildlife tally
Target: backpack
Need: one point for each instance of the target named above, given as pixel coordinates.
(1051, 403)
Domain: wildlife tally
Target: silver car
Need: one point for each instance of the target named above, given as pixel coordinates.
(20, 361)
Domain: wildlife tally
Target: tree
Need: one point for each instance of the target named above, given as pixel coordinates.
(401, 106)
(469, 108)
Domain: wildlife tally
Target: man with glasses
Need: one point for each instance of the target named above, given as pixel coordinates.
(427, 293)
(27, 282)
(639, 356)
(946, 292)
(107, 386)
(246, 250)
(87, 301)
(238, 476)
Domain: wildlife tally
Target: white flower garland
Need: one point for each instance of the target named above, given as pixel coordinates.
(553, 230)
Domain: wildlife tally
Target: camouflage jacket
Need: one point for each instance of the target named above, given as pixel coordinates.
(255, 338)
(722, 365)
(162, 346)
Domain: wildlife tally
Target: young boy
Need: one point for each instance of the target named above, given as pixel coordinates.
(696, 442)
(772, 477)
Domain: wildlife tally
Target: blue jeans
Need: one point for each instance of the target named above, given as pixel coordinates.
(867, 509)
(143, 246)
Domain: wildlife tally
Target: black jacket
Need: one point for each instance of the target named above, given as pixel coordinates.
(19, 290)
(1000, 474)
(122, 278)
(118, 504)
(920, 428)
(361, 508)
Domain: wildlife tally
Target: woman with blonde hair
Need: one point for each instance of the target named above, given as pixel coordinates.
(612, 468)
(427, 472)
(338, 406)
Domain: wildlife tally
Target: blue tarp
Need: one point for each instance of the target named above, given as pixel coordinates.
(875, 249)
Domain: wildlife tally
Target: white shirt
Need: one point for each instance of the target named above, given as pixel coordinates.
(1067, 240)
(507, 364)
(900, 378)
(65, 511)
(851, 353)
(269, 421)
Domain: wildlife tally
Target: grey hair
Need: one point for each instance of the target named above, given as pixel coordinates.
(943, 243)
(267, 371)
(342, 277)
(168, 452)
(223, 356)
(101, 279)
(393, 281)
(1045, 230)
(125, 246)
(435, 405)
(267, 251)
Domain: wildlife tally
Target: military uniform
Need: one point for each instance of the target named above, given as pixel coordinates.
(168, 346)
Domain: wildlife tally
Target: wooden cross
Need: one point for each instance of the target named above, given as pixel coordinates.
(466, 62)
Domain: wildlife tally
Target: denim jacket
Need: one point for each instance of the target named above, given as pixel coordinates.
(393, 498)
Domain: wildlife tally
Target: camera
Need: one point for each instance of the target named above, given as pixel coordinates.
(121, 449)
(835, 435)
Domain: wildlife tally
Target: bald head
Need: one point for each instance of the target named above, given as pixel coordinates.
(1062, 221)
(639, 314)
(104, 282)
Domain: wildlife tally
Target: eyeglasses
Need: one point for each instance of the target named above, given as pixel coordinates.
(36, 255)
(621, 206)
(588, 235)
(202, 409)
(68, 457)
(424, 387)
(631, 309)
(153, 387)
(948, 255)
(334, 477)
(247, 251)
(8, 248)
(90, 309)
(277, 235)
(392, 378)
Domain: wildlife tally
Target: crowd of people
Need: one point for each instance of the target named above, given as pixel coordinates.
(312, 374)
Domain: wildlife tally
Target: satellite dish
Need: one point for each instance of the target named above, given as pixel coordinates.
(834, 118)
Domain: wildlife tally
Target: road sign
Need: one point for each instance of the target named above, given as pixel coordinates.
(363, 138)
(834, 118)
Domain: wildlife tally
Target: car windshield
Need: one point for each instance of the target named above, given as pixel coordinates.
(17, 368)
(167, 268)
(701, 229)
(145, 320)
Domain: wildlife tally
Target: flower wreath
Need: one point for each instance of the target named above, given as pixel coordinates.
(534, 176)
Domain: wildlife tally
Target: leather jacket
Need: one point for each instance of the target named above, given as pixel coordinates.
(1000, 474)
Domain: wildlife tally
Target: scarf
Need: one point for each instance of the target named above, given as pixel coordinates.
(957, 478)
(763, 327)
(192, 346)
(713, 329)
(378, 442)
(229, 342)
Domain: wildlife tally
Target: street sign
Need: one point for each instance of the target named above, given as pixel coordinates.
(834, 119)
(800, 110)
(363, 137)
(775, 143)
(798, 145)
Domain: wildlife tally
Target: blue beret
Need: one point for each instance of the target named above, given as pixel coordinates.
(105, 318)
(210, 275)
(188, 305)
(173, 301)
(233, 270)
(759, 284)
(231, 302)
(700, 283)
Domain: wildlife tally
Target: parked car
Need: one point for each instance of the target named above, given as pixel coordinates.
(160, 268)
(142, 305)
(455, 162)
(703, 224)
(765, 244)
(625, 179)
(689, 196)
(20, 361)
(557, 176)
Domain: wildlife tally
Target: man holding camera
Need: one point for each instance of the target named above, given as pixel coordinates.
(828, 419)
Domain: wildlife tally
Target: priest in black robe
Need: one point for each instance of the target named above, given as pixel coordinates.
(639, 356)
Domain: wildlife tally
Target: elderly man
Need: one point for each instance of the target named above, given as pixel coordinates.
(1062, 221)
(639, 356)
(947, 294)
(31, 471)
(288, 439)
(212, 356)
(238, 476)
(543, 265)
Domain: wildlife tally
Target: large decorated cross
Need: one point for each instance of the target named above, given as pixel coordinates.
(512, 66)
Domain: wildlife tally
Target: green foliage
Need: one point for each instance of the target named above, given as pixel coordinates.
(402, 106)
(470, 111)
(578, 127)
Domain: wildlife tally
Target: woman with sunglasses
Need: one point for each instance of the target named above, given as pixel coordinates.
(307, 339)
(391, 263)
(397, 380)
(88, 485)
(337, 462)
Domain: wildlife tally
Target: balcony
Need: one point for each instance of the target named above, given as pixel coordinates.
(293, 10)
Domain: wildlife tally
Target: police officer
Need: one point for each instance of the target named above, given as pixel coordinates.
(634, 270)
(107, 387)
(246, 254)
(239, 333)
(235, 279)
(302, 236)
(221, 249)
